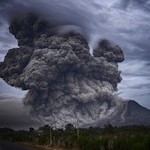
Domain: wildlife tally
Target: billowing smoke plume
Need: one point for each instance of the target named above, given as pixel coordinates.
(65, 83)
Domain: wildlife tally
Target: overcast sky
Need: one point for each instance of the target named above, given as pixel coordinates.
(123, 22)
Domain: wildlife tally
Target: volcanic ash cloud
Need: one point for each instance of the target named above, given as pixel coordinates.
(65, 83)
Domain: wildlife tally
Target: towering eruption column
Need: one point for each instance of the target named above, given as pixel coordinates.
(65, 83)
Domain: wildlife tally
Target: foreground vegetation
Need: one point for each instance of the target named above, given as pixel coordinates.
(108, 138)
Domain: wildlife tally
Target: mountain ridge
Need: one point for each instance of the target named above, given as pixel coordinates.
(128, 113)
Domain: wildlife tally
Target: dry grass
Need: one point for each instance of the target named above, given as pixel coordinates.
(43, 147)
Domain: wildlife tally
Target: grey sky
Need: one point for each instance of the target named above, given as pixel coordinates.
(124, 22)
(13, 114)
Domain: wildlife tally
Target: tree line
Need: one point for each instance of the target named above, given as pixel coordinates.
(107, 138)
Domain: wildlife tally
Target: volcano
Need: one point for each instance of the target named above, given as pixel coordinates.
(65, 82)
